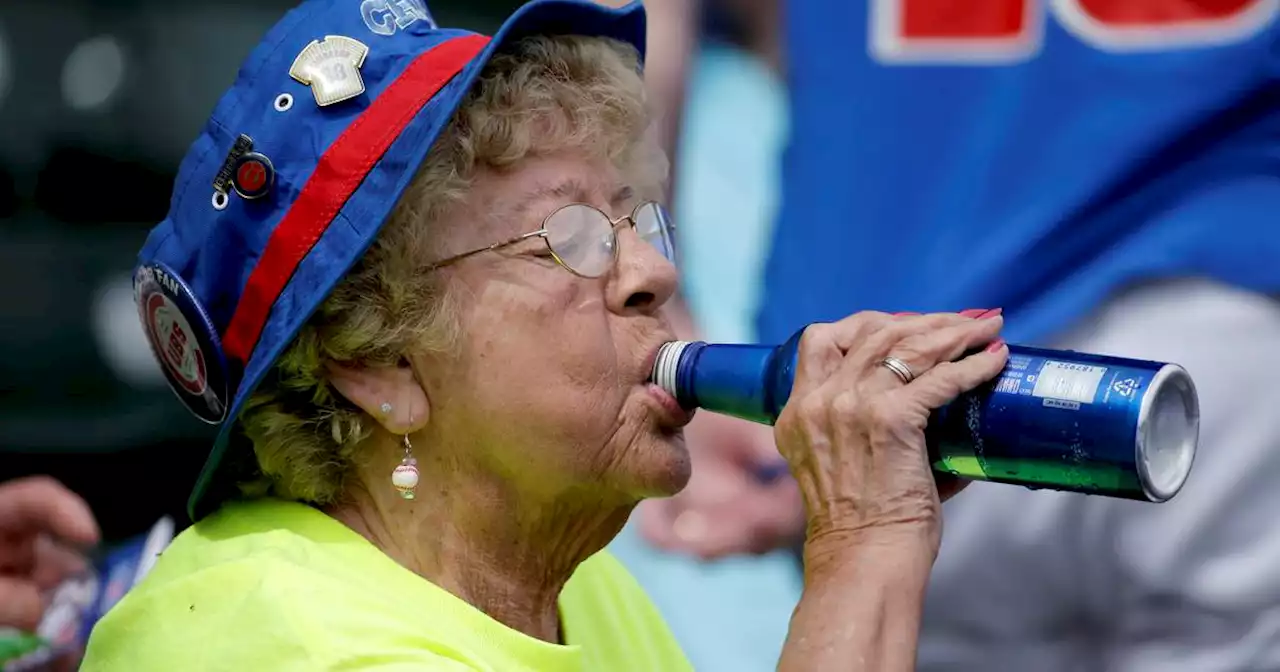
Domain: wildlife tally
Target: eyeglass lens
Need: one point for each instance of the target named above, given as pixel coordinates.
(584, 238)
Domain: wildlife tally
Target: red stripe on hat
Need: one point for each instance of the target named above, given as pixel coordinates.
(338, 174)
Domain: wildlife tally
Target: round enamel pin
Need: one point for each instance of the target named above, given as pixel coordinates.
(183, 339)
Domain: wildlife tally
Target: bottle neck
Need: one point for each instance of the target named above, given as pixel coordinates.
(737, 380)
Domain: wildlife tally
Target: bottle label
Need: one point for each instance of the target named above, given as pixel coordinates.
(1067, 381)
(1049, 421)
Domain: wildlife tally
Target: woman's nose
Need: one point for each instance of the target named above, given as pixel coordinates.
(644, 279)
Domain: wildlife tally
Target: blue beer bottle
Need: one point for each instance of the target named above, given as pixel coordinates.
(1052, 419)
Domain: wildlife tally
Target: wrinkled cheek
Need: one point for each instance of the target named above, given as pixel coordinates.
(600, 428)
(564, 403)
(603, 418)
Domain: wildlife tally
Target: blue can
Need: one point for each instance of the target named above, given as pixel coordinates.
(1074, 421)
(1052, 419)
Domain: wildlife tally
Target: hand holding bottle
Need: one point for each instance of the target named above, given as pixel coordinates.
(853, 429)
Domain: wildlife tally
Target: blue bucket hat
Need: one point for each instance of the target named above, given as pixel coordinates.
(292, 178)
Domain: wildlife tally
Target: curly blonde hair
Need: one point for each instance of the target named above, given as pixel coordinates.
(537, 96)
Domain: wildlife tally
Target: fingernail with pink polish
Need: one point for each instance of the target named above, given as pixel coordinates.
(995, 345)
(990, 313)
(972, 312)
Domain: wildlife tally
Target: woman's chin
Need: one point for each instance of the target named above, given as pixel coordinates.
(666, 468)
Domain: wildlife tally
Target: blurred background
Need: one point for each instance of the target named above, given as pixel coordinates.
(99, 100)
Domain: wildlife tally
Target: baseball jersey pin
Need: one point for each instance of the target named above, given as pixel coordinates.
(331, 67)
(250, 173)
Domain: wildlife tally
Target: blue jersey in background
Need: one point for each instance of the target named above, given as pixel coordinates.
(1025, 154)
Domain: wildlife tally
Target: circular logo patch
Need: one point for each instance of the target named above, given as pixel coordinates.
(253, 175)
(179, 350)
(183, 339)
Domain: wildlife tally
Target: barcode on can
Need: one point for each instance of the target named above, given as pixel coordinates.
(1008, 385)
(1069, 381)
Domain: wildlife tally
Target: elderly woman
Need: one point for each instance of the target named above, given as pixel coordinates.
(424, 298)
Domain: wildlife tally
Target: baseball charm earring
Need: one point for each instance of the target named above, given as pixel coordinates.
(405, 476)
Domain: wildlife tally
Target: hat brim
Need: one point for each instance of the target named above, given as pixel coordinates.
(541, 17)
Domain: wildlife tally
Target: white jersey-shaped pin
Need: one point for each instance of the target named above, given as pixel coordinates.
(331, 67)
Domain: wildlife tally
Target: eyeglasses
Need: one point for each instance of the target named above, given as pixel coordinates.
(584, 240)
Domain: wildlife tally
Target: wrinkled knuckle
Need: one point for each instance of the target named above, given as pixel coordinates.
(960, 335)
(846, 406)
(910, 350)
(901, 333)
(816, 337)
(882, 414)
(788, 418)
(880, 341)
(880, 327)
(799, 423)
(945, 343)
(812, 409)
(863, 323)
(952, 376)
(946, 371)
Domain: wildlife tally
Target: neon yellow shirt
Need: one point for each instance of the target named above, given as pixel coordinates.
(271, 585)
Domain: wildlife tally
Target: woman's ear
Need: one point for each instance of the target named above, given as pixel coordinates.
(390, 394)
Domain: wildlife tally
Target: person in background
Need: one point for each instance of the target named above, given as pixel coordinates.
(1109, 174)
(730, 615)
(45, 530)
(43, 527)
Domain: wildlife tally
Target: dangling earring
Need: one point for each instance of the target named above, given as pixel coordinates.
(405, 476)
